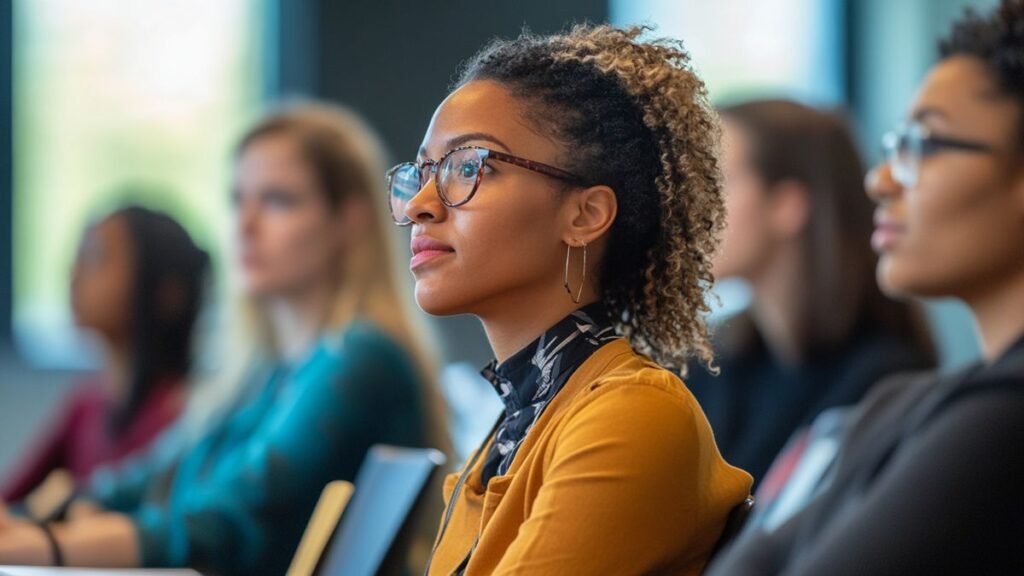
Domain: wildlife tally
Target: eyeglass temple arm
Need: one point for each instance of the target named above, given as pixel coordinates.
(535, 166)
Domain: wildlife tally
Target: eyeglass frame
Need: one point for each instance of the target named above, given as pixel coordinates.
(930, 144)
(435, 171)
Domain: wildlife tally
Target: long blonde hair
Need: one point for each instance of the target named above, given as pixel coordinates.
(348, 159)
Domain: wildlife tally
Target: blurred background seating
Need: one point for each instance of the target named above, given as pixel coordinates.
(96, 94)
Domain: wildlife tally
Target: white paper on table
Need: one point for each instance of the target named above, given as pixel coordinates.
(33, 571)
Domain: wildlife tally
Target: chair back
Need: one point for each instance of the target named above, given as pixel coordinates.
(321, 527)
(734, 523)
(376, 528)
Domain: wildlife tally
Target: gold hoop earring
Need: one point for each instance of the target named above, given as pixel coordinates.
(583, 278)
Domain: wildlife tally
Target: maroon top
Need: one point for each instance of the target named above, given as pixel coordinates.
(79, 438)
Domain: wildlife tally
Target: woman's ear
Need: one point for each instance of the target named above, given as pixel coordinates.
(589, 214)
(789, 208)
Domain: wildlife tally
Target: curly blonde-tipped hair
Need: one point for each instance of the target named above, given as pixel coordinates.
(635, 117)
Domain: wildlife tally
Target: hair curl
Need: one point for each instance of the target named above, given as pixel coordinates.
(637, 118)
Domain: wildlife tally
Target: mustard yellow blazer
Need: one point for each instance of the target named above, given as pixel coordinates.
(620, 475)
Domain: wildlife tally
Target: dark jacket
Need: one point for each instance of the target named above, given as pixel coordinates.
(927, 481)
(757, 402)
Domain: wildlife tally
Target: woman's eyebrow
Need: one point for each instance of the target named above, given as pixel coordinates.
(463, 139)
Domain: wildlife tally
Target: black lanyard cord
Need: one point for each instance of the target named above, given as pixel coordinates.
(454, 499)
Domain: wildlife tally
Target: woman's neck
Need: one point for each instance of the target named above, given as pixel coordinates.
(297, 320)
(999, 315)
(776, 304)
(117, 370)
(513, 322)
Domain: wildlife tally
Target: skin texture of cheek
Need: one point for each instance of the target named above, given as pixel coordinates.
(499, 250)
(960, 234)
(744, 240)
(102, 288)
(962, 231)
(296, 251)
(286, 229)
(509, 254)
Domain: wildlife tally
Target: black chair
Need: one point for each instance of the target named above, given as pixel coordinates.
(376, 528)
(733, 525)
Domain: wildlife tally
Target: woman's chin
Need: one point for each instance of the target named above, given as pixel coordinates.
(434, 303)
(264, 288)
(897, 279)
(889, 279)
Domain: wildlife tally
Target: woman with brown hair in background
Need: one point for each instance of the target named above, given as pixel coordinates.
(819, 332)
(928, 475)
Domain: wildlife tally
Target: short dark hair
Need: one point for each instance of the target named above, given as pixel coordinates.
(997, 39)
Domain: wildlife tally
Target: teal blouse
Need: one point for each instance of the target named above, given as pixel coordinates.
(237, 501)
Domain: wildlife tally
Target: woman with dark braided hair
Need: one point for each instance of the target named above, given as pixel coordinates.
(138, 284)
(568, 194)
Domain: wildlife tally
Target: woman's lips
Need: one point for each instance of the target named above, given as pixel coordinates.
(426, 256)
(886, 235)
(426, 249)
(249, 261)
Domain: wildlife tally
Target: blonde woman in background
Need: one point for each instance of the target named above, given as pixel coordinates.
(342, 368)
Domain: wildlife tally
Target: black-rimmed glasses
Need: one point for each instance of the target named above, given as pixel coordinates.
(906, 146)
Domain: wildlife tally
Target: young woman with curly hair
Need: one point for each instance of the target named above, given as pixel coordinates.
(568, 194)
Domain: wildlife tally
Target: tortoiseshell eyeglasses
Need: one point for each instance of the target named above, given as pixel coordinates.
(457, 177)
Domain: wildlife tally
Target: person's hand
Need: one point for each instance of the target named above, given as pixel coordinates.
(50, 495)
(80, 509)
(22, 542)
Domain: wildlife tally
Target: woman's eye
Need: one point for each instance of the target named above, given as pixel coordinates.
(279, 200)
(468, 169)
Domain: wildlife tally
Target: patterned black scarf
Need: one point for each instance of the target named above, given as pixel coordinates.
(528, 381)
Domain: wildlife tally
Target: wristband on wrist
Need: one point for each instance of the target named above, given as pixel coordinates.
(55, 553)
